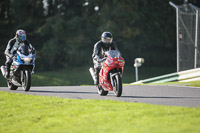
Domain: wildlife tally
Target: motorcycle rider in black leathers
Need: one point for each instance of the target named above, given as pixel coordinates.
(13, 45)
(105, 44)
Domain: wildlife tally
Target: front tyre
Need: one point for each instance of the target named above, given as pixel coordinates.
(101, 91)
(117, 88)
(26, 83)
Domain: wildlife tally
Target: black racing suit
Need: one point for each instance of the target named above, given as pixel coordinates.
(11, 48)
(99, 53)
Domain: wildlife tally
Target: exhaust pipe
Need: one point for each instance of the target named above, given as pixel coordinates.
(93, 74)
(3, 71)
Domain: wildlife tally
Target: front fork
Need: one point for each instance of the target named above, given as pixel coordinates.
(33, 69)
(22, 76)
(112, 75)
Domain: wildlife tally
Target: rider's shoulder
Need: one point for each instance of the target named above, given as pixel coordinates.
(27, 41)
(12, 41)
(99, 43)
(113, 42)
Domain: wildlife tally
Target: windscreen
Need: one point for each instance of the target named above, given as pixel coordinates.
(23, 49)
(113, 53)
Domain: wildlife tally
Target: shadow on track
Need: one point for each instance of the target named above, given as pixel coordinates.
(43, 91)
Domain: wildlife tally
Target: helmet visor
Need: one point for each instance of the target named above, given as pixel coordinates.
(22, 37)
(107, 40)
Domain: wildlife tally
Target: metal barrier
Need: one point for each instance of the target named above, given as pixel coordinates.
(187, 34)
(178, 76)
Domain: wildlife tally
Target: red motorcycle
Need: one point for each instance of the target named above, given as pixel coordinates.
(110, 75)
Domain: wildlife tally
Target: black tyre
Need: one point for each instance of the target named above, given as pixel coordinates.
(117, 88)
(11, 86)
(26, 84)
(101, 91)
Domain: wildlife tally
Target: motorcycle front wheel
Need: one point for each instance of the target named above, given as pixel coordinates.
(101, 91)
(117, 88)
(26, 83)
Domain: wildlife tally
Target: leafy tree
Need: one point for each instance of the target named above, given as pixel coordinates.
(65, 31)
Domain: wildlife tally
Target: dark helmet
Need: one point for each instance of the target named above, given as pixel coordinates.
(106, 37)
(21, 35)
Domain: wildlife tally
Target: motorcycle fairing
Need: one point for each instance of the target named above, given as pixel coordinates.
(113, 63)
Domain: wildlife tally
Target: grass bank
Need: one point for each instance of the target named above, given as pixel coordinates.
(191, 83)
(26, 113)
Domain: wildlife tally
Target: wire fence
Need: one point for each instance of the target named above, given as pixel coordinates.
(188, 39)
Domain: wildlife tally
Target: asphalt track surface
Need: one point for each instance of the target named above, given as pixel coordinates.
(153, 94)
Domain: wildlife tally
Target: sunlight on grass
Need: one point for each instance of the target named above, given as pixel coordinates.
(27, 113)
(192, 83)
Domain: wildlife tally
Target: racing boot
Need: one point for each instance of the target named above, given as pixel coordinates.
(94, 75)
(96, 82)
(7, 72)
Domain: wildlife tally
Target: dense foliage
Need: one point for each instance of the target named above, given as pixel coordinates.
(65, 31)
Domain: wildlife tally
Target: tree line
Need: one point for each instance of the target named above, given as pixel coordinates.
(65, 31)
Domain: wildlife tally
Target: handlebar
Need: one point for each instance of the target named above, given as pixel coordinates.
(102, 60)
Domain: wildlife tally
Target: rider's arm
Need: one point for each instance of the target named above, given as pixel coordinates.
(32, 49)
(96, 50)
(30, 46)
(114, 46)
(9, 48)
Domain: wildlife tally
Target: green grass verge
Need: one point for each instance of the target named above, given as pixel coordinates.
(40, 114)
(81, 76)
(194, 83)
(191, 83)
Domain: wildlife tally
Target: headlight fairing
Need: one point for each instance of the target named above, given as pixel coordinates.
(27, 59)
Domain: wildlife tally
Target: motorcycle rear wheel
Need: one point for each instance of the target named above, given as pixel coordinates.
(26, 84)
(117, 88)
(101, 91)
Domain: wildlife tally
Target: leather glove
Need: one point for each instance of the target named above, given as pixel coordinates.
(101, 60)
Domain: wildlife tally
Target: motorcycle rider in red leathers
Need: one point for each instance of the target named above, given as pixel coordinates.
(105, 44)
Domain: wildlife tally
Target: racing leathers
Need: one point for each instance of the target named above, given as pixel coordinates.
(10, 51)
(99, 56)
